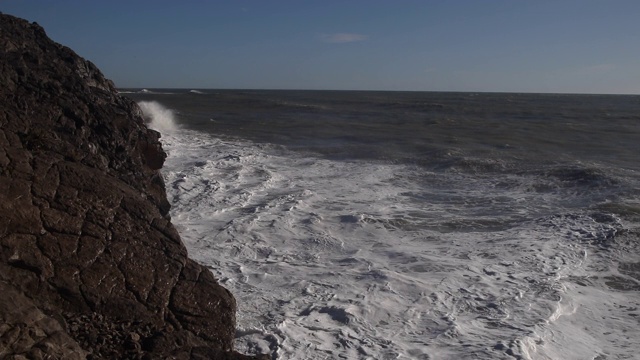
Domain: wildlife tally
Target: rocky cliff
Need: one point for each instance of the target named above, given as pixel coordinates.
(90, 264)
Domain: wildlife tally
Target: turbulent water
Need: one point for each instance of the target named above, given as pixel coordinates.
(390, 225)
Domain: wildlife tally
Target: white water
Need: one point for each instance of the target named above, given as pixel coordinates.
(158, 117)
(335, 259)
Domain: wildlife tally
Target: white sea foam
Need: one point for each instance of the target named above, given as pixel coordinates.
(332, 259)
(158, 117)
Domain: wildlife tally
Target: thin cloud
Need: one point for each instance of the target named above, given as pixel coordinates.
(340, 38)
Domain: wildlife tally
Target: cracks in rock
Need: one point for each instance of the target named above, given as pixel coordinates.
(129, 287)
(99, 239)
(21, 264)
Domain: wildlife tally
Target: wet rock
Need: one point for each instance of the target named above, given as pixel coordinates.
(84, 228)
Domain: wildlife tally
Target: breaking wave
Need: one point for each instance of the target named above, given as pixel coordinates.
(158, 117)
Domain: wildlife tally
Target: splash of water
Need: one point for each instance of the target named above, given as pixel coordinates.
(158, 117)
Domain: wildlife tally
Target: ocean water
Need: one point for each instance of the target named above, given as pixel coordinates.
(392, 225)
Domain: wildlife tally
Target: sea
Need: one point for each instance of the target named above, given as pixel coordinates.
(411, 225)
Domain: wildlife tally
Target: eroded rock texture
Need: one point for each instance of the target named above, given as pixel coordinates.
(90, 265)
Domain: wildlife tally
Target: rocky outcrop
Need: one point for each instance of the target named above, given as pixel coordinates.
(90, 264)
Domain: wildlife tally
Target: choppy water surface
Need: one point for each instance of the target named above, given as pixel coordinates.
(376, 225)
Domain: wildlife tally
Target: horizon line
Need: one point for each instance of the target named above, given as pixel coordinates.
(370, 90)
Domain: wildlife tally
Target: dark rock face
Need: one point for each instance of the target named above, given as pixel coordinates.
(90, 265)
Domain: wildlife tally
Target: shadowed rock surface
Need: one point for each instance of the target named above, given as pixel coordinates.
(90, 265)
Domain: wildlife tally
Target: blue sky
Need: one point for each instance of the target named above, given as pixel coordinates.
(578, 46)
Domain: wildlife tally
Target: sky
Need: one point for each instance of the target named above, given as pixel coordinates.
(557, 46)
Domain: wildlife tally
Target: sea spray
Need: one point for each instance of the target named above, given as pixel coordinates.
(158, 117)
